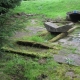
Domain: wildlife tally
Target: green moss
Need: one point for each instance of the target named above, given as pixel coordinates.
(25, 52)
(19, 67)
(36, 38)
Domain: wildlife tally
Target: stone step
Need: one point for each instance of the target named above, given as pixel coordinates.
(67, 58)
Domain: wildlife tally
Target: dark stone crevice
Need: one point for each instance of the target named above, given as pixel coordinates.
(73, 16)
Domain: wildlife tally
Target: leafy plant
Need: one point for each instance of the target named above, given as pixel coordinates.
(5, 5)
(6, 30)
(69, 61)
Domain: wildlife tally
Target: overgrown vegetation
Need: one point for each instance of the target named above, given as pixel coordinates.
(5, 29)
(37, 38)
(5, 5)
(17, 67)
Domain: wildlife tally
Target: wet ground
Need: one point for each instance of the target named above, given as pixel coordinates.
(70, 53)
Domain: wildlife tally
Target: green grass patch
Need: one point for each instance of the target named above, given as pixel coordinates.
(50, 8)
(36, 38)
(49, 36)
(33, 38)
(18, 67)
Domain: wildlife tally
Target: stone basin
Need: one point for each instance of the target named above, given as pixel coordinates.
(53, 27)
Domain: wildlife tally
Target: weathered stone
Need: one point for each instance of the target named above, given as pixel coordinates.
(65, 52)
(52, 27)
(73, 59)
(62, 40)
(59, 58)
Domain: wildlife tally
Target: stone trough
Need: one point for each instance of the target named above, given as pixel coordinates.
(54, 27)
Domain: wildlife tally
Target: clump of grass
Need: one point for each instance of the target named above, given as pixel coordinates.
(48, 36)
(34, 38)
(37, 38)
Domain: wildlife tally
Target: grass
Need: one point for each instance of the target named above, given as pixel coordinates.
(37, 38)
(17, 67)
(34, 38)
(50, 8)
